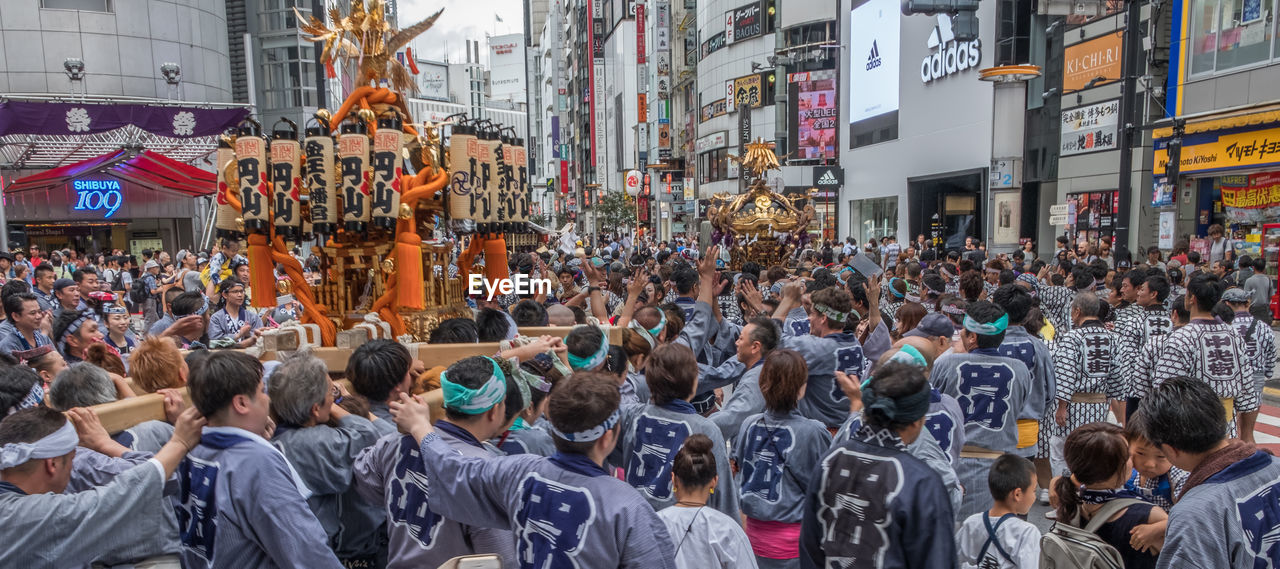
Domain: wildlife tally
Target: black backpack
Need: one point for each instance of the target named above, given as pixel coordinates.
(138, 293)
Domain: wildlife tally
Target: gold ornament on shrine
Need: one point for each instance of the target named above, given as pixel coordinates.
(760, 225)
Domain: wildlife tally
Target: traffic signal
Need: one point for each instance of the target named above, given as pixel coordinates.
(964, 19)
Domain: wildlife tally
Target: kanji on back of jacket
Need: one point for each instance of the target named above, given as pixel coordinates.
(394, 205)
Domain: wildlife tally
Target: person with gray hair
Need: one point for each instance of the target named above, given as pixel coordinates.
(1086, 371)
(321, 439)
(81, 385)
(85, 385)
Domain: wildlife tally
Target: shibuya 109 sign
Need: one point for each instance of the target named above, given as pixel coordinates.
(948, 55)
(98, 195)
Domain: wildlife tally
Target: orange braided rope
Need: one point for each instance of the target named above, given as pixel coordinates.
(312, 313)
(419, 186)
(366, 97)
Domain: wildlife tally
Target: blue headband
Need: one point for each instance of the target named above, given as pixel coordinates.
(589, 434)
(475, 401)
(662, 324)
(643, 333)
(986, 329)
(73, 328)
(114, 309)
(894, 291)
(594, 360)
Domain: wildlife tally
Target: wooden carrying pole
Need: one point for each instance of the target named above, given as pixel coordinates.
(125, 413)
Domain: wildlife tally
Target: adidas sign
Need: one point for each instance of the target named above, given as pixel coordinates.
(873, 58)
(828, 178)
(949, 56)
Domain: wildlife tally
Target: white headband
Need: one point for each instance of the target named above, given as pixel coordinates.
(59, 443)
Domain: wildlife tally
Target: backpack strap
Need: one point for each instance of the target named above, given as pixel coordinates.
(992, 538)
(1107, 510)
(1248, 334)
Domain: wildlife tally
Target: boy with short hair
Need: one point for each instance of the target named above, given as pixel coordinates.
(240, 503)
(999, 538)
(1154, 480)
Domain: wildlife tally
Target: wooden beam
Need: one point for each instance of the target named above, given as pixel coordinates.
(444, 354)
(125, 413)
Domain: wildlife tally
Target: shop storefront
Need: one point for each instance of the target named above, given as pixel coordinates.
(115, 201)
(1092, 216)
(914, 164)
(1220, 169)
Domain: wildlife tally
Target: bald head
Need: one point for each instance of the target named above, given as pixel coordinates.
(559, 315)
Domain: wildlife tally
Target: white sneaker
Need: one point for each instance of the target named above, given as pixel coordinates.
(1051, 515)
(1044, 496)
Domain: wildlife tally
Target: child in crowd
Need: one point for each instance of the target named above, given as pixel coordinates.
(1000, 538)
(1098, 458)
(775, 457)
(1154, 479)
(704, 538)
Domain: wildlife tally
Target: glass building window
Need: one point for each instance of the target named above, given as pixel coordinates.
(873, 218)
(1230, 34)
(82, 5)
(713, 166)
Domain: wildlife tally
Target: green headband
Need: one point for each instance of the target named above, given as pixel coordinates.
(594, 360)
(662, 324)
(475, 401)
(987, 328)
(909, 355)
(831, 313)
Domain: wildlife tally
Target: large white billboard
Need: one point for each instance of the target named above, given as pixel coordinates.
(506, 67)
(874, 56)
(433, 80)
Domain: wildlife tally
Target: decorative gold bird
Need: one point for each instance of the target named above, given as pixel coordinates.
(760, 157)
(366, 37)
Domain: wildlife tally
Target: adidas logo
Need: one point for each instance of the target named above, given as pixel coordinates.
(828, 178)
(873, 58)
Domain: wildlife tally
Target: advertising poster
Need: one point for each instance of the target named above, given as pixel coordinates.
(1167, 222)
(1086, 61)
(744, 23)
(875, 28)
(747, 91)
(814, 100)
(1091, 128)
(1008, 217)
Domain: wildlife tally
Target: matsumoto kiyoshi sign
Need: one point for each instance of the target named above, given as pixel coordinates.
(949, 56)
(98, 195)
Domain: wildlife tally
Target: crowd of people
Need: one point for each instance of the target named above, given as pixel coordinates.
(874, 406)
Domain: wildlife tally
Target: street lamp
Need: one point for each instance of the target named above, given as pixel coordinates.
(74, 66)
(172, 73)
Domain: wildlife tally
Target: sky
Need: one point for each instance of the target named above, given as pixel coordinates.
(462, 20)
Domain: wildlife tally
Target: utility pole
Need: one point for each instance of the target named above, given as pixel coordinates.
(1128, 117)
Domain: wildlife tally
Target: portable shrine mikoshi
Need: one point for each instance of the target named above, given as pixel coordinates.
(386, 198)
(760, 225)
